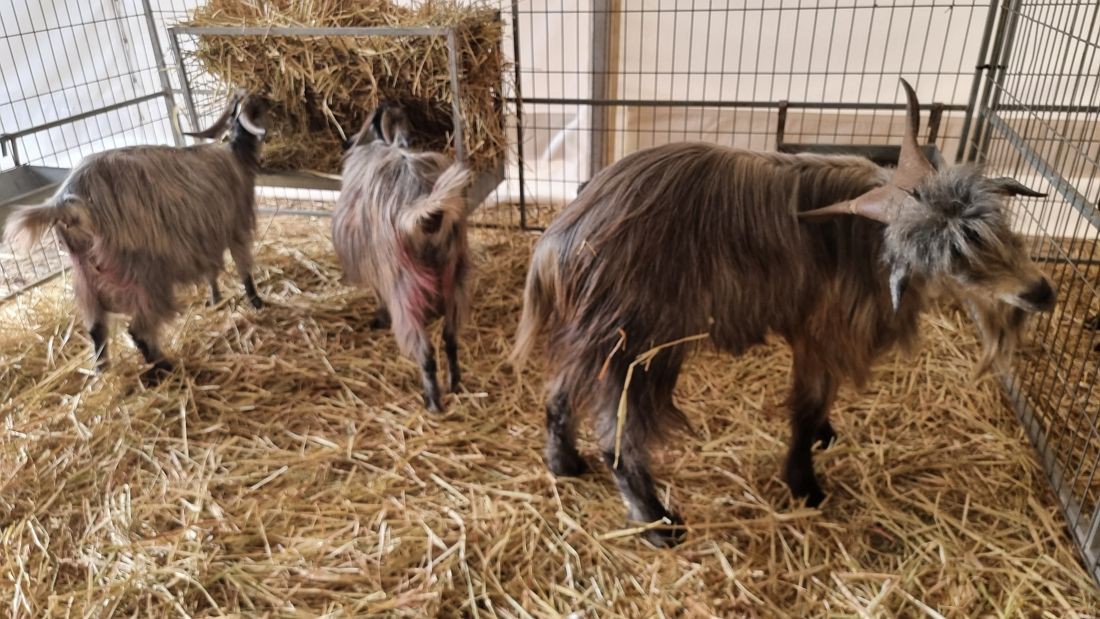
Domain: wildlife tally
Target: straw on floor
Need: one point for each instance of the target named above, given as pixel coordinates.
(323, 87)
(288, 468)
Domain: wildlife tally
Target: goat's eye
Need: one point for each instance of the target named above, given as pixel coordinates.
(973, 238)
(958, 257)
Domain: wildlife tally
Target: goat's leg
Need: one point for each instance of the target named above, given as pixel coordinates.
(143, 331)
(632, 475)
(562, 457)
(215, 292)
(425, 357)
(826, 435)
(651, 411)
(811, 396)
(242, 258)
(95, 318)
(450, 348)
(428, 379)
(381, 319)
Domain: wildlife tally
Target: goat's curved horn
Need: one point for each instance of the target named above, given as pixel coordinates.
(880, 204)
(217, 129)
(912, 164)
(250, 125)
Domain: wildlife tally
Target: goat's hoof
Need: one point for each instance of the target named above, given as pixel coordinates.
(667, 536)
(455, 385)
(804, 485)
(433, 404)
(813, 494)
(564, 463)
(257, 302)
(825, 436)
(154, 375)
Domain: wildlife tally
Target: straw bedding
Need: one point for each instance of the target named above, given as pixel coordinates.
(322, 88)
(1063, 383)
(288, 469)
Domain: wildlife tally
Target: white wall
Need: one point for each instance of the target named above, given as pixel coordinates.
(66, 57)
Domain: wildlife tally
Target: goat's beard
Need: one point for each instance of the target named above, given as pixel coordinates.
(1003, 328)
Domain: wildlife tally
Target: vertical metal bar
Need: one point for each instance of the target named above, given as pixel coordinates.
(456, 95)
(185, 84)
(979, 70)
(1012, 14)
(519, 114)
(162, 72)
(598, 46)
(934, 117)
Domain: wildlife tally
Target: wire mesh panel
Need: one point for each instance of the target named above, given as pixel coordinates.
(1039, 124)
(603, 78)
(79, 78)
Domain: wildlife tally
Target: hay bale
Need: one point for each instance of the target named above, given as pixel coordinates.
(323, 87)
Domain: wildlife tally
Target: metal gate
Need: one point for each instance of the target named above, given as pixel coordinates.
(1037, 120)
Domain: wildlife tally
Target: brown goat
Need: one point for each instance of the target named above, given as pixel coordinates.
(400, 227)
(689, 239)
(139, 221)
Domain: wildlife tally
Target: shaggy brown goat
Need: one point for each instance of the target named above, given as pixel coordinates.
(140, 221)
(689, 239)
(400, 226)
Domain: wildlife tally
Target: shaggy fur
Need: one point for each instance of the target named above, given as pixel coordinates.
(685, 239)
(140, 221)
(400, 227)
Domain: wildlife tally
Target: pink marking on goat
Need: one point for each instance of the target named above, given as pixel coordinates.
(421, 296)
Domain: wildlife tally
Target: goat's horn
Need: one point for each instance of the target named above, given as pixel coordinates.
(249, 125)
(912, 164)
(880, 204)
(216, 130)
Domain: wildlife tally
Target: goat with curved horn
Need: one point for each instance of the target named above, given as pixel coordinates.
(686, 239)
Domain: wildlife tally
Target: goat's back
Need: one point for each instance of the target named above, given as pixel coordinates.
(378, 183)
(695, 238)
(181, 206)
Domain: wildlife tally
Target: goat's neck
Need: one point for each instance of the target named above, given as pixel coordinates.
(247, 148)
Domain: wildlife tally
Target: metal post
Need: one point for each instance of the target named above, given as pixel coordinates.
(1002, 53)
(162, 69)
(456, 95)
(185, 85)
(5, 141)
(979, 70)
(519, 114)
(604, 47)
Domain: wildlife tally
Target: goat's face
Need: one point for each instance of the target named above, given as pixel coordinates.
(953, 232)
(954, 227)
(948, 227)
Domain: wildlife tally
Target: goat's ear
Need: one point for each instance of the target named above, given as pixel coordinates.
(899, 283)
(216, 130)
(1011, 187)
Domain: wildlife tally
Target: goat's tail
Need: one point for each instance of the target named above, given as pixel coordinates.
(440, 208)
(26, 225)
(539, 297)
